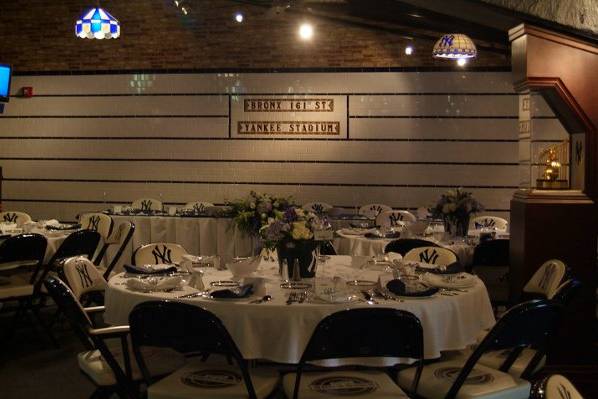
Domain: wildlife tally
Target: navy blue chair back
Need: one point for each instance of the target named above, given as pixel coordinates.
(404, 245)
(185, 328)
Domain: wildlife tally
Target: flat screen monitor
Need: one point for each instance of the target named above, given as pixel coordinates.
(5, 72)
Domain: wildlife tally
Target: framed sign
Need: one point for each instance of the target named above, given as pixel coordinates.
(284, 116)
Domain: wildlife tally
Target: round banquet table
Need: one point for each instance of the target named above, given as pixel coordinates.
(346, 244)
(279, 332)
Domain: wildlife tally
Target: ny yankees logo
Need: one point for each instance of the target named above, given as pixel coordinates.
(376, 208)
(86, 280)
(318, 208)
(199, 208)
(395, 218)
(146, 205)
(163, 256)
(93, 223)
(564, 392)
(428, 257)
(447, 40)
(547, 276)
(485, 223)
(10, 217)
(578, 151)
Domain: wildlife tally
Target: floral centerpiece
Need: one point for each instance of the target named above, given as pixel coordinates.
(251, 213)
(291, 233)
(455, 207)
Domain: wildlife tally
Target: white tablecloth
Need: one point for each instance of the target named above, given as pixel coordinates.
(360, 245)
(280, 332)
(199, 236)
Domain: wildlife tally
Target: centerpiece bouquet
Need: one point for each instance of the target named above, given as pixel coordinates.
(252, 213)
(291, 233)
(455, 208)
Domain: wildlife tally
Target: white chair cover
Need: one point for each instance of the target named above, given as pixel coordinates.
(99, 222)
(20, 218)
(82, 276)
(147, 204)
(547, 278)
(480, 222)
(559, 387)
(160, 252)
(432, 255)
(317, 207)
(371, 211)
(395, 218)
(198, 206)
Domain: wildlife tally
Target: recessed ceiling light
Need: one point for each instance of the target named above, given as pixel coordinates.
(239, 17)
(409, 50)
(306, 31)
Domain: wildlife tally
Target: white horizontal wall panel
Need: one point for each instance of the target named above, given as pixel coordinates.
(433, 129)
(432, 105)
(324, 173)
(117, 105)
(311, 150)
(115, 127)
(282, 83)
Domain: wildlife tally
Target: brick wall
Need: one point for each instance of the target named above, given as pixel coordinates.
(38, 35)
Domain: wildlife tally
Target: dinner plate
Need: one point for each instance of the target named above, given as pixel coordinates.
(458, 280)
(361, 283)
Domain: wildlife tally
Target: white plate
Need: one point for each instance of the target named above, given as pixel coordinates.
(458, 280)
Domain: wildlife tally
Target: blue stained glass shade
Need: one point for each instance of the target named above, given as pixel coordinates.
(96, 23)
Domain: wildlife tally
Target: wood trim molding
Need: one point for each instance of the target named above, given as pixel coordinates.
(524, 29)
(552, 196)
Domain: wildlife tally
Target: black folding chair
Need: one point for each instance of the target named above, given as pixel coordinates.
(404, 245)
(24, 251)
(125, 233)
(529, 324)
(554, 386)
(190, 330)
(491, 265)
(78, 243)
(365, 332)
(94, 339)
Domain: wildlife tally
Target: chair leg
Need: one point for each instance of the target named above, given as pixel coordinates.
(15, 321)
(46, 328)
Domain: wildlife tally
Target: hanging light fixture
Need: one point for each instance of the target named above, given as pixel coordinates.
(454, 46)
(97, 24)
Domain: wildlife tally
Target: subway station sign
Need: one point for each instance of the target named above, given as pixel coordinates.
(289, 116)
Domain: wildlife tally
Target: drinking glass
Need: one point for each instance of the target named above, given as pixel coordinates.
(437, 227)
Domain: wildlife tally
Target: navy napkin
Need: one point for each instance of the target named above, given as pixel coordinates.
(453, 268)
(243, 292)
(142, 270)
(397, 287)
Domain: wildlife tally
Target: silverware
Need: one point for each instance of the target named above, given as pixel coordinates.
(265, 298)
(292, 298)
(369, 298)
(193, 295)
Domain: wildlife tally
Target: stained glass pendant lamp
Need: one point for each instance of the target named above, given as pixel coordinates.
(454, 46)
(97, 24)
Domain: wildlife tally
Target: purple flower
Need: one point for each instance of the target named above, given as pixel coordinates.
(290, 215)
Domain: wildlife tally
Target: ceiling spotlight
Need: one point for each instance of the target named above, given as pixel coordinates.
(239, 17)
(409, 50)
(306, 31)
(462, 61)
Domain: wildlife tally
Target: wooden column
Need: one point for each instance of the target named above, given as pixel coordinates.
(560, 224)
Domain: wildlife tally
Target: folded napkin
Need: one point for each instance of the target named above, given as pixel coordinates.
(150, 269)
(63, 226)
(459, 280)
(51, 222)
(394, 256)
(453, 268)
(154, 283)
(242, 292)
(415, 288)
